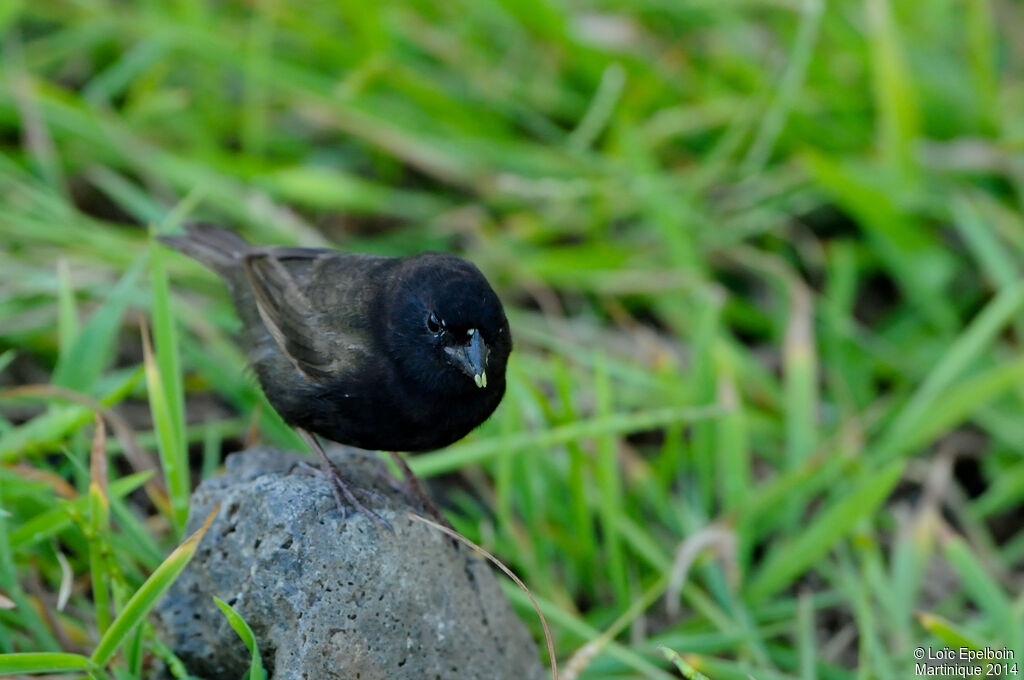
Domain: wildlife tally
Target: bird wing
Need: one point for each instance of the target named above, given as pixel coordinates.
(313, 338)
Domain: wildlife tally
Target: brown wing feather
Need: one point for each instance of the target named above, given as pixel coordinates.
(279, 279)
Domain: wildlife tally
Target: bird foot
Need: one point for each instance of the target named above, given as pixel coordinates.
(414, 488)
(343, 492)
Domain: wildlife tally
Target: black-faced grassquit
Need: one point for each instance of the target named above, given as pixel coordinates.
(383, 353)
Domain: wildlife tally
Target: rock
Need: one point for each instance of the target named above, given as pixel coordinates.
(333, 598)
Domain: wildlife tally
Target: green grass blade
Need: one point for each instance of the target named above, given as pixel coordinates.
(480, 450)
(963, 400)
(899, 121)
(49, 428)
(579, 469)
(721, 669)
(950, 633)
(574, 625)
(608, 480)
(800, 378)
(9, 582)
(43, 662)
(961, 353)
(982, 49)
(895, 237)
(94, 347)
(168, 378)
(97, 528)
(986, 593)
(255, 671)
(684, 668)
(52, 522)
(1006, 492)
(113, 80)
(807, 646)
(790, 559)
(732, 452)
(149, 593)
(67, 314)
(130, 197)
(994, 260)
(613, 80)
(99, 549)
(10, 11)
(172, 462)
(785, 95)
(6, 358)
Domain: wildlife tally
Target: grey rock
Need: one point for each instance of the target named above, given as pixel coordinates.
(335, 598)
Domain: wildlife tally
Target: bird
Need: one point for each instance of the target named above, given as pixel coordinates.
(375, 352)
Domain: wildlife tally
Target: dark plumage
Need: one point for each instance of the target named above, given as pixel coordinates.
(383, 353)
(392, 353)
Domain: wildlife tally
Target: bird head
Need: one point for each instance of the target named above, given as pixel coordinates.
(451, 328)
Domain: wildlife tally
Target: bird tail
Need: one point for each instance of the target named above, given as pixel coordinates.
(216, 247)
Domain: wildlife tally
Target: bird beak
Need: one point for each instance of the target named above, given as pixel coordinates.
(471, 358)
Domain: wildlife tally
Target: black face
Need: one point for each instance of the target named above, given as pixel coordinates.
(449, 330)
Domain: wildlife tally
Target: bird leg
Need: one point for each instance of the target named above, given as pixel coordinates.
(416, 487)
(339, 487)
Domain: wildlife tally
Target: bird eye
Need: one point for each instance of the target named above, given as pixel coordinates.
(434, 326)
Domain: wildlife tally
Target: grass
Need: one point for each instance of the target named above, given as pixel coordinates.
(762, 261)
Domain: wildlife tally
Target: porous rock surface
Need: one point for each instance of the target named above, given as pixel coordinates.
(335, 598)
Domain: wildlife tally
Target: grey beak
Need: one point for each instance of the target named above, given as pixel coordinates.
(471, 358)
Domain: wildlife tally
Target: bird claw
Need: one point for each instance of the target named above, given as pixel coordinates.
(338, 484)
(414, 487)
(343, 491)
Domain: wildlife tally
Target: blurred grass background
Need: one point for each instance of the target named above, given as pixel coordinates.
(762, 260)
